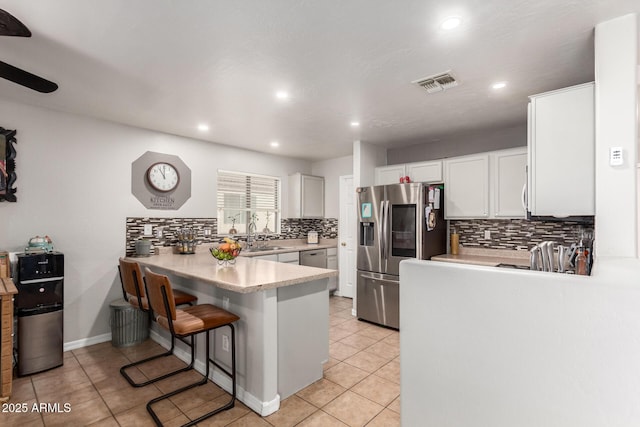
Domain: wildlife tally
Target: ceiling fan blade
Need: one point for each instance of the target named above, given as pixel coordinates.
(26, 79)
(11, 26)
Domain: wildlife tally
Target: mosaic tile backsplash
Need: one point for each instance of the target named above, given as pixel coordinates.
(518, 234)
(206, 230)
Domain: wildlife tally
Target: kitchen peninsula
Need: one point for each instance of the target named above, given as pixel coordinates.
(282, 336)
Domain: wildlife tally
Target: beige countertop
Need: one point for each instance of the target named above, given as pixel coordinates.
(488, 257)
(245, 276)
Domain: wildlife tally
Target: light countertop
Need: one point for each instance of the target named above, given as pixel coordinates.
(488, 257)
(245, 276)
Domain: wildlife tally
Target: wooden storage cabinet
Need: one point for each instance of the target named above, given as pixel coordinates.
(561, 178)
(7, 291)
(306, 196)
(466, 181)
(509, 174)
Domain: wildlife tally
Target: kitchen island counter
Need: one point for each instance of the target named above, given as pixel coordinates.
(245, 276)
(282, 337)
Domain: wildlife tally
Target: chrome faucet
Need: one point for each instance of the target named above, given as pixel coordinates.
(252, 226)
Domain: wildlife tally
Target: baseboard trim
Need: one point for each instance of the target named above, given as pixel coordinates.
(85, 342)
(255, 404)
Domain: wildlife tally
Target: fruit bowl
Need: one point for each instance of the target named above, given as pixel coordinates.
(227, 252)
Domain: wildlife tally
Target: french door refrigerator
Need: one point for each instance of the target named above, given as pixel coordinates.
(395, 222)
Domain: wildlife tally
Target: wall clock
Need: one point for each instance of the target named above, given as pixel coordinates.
(160, 181)
(163, 176)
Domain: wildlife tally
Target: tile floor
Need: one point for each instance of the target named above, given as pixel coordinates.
(361, 386)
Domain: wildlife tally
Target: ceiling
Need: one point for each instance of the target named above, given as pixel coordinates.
(171, 65)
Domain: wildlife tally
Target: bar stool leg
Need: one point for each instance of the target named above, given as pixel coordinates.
(204, 380)
(125, 374)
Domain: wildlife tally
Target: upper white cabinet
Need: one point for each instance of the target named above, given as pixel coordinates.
(509, 175)
(389, 174)
(425, 171)
(466, 181)
(561, 152)
(430, 171)
(306, 196)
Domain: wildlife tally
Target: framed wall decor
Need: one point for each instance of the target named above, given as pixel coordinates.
(7, 165)
(160, 181)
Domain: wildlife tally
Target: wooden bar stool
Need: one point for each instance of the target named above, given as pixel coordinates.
(134, 292)
(188, 322)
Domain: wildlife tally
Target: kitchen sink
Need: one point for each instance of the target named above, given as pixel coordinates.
(268, 248)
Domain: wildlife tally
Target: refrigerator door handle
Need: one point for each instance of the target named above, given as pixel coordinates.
(381, 230)
(378, 276)
(386, 233)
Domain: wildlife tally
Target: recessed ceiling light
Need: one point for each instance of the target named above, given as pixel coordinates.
(203, 127)
(355, 124)
(274, 144)
(499, 85)
(281, 94)
(451, 23)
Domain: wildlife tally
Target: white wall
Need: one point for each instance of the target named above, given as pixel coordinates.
(616, 66)
(485, 346)
(332, 170)
(366, 157)
(74, 184)
(479, 141)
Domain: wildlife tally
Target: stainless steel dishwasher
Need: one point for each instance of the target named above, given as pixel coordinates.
(316, 258)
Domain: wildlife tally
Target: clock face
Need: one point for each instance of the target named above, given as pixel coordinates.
(163, 176)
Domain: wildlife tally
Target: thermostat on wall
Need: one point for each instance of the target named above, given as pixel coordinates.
(615, 156)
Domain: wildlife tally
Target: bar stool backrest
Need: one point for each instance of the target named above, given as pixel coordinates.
(132, 281)
(155, 284)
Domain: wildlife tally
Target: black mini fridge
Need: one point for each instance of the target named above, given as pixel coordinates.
(39, 311)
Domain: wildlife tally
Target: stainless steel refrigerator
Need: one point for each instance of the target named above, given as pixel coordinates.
(395, 222)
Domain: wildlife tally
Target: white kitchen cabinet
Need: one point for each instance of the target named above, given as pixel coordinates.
(561, 144)
(270, 257)
(509, 175)
(466, 181)
(332, 264)
(425, 171)
(306, 196)
(289, 258)
(391, 174)
(430, 171)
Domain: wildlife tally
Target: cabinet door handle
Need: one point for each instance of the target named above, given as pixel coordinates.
(343, 243)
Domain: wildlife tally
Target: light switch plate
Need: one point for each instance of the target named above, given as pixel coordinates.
(148, 229)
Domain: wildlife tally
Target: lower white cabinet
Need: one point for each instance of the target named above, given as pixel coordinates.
(289, 258)
(332, 264)
(466, 181)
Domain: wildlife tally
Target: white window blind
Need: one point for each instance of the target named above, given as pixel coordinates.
(241, 196)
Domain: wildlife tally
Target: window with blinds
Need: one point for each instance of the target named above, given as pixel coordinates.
(244, 197)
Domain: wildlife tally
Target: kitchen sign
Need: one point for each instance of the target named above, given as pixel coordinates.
(160, 181)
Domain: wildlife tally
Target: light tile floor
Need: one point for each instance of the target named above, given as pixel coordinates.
(361, 386)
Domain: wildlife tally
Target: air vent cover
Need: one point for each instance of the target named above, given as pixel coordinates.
(437, 82)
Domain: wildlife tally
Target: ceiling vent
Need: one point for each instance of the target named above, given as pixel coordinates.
(437, 83)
